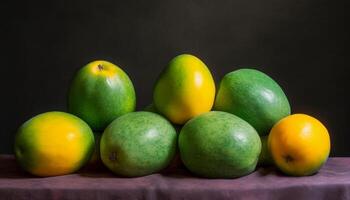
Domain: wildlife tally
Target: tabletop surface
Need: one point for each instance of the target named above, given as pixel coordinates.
(331, 182)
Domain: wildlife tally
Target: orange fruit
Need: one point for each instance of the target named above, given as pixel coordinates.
(299, 145)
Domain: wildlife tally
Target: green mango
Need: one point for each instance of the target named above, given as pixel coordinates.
(219, 145)
(138, 144)
(254, 97)
(99, 93)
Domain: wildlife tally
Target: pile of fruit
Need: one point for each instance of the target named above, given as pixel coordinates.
(248, 122)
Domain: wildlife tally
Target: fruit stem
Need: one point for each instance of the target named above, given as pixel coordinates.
(100, 67)
(288, 158)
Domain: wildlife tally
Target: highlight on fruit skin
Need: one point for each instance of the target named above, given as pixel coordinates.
(253, 96)
(99, 93)
(299, 145)
(53, 143)
(184, 89)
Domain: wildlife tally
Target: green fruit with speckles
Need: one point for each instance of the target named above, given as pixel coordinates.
(254, 97)
(152, 108)
(99, 93)
(138, 144)
(219, 145)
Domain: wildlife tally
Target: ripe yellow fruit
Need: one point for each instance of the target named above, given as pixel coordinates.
(299, 145)
(184, 90)
(53, 143)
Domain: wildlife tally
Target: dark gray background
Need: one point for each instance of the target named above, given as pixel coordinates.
(300, 43)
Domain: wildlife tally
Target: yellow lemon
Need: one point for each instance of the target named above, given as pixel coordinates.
(299, 145)
(184, 89)
(53, 143)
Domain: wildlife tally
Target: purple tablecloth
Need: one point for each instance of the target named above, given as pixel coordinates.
(331, 183)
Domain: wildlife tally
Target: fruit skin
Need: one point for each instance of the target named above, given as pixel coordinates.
(299, 145)
(95, 159)
(138, 144)
(265, 158)
(184, 89)
(176, 162)
(151, 108)
(219, 145)
(99, 93)
(53, 143)
(254, 97)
